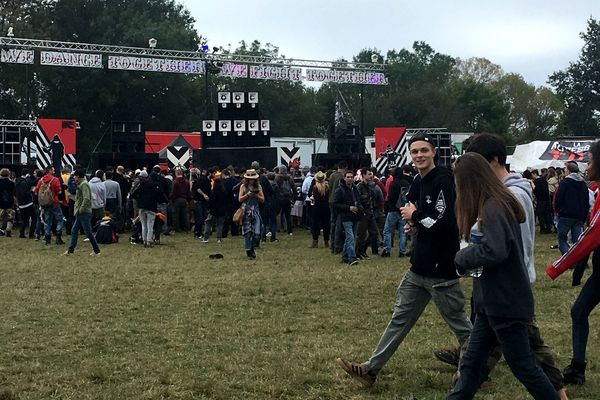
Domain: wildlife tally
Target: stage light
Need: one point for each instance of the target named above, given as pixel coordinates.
(253, 98)
(208, 126)
(152, 43)
(265, 126)
(224, 127)
(253, 125)
(238, 99)
(224, 98)
(374, 58)
(215, 49)
(240, 125)
(10, 32)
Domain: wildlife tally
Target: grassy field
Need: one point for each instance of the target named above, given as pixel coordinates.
(170, 323)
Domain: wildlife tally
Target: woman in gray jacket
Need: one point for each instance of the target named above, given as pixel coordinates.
(488, 216)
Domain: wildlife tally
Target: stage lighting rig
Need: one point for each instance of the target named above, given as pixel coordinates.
(152, 42)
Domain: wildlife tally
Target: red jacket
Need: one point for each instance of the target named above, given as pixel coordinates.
(54, 186)
(588, 242)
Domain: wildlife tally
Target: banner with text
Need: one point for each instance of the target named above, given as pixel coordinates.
(275, 73)
(155, 64)
(63, 59)
(567, 150)
(234, 70)
(358, 77)
(16, 56)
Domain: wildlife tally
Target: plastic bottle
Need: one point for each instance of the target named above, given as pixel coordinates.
(476, 236)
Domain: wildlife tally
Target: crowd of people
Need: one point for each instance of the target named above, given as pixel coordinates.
(475, 219)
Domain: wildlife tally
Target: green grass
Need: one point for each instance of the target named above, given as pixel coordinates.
(168, 323)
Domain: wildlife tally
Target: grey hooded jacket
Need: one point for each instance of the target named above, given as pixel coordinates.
(521, 188)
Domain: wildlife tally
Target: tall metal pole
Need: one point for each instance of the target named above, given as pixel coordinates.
(28, 99)
(362, 112)
(207, 99)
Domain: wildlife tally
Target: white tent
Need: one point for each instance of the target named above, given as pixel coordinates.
(529, 156)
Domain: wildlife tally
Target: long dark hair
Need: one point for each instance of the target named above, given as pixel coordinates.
(593, 172)
(476, 183)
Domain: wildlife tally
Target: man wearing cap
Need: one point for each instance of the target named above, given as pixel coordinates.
(82, 213)
(432, 273)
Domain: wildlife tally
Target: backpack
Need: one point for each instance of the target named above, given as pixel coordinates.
(285, 190)
(45, 195)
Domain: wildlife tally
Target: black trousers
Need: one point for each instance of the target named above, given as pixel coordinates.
(513, 336)
(28, 219)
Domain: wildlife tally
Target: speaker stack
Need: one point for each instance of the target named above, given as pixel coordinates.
(238, 136)
(238, 123)
(127, 137)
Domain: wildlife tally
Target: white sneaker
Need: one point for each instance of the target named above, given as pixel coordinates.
(219, 241)
(202, 240)
(268, 234)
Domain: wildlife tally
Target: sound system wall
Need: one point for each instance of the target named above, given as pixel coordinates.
(127, 137)
(231, 113)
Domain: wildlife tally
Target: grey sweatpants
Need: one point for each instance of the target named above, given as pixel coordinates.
(412, 296)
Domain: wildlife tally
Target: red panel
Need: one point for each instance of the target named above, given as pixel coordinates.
(66, 129)
(156, 141)
(387, 136)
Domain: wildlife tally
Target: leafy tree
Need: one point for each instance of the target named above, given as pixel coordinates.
(579, 85)
(534, 113)
(478, 108)
(480, 70)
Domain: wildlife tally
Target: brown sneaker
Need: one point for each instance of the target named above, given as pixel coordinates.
(449, 356)
(357, 371)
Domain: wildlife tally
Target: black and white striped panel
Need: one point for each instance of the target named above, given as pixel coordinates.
(381, 163)
(43, 156)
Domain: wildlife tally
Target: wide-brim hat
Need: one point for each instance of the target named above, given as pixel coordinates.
(251, 174)
(320, 176)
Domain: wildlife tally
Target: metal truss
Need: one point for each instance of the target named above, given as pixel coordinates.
(428, 131)
(14, 123)
(22, 43)
(21, 123)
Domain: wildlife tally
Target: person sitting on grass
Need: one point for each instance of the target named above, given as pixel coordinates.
(106, 230)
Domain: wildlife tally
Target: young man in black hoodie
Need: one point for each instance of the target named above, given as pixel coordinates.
(432, 273)
(571, 203)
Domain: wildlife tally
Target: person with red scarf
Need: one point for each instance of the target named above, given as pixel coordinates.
(589, 297)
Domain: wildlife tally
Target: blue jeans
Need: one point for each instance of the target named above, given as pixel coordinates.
(394, 221)
(200, 213)
(514, 339)
(84, 221)
(52, 215)
(588, 299)
(252, 235)
(564, 226)
(348, 252)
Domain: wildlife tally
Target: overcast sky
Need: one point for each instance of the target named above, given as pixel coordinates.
(531, 37)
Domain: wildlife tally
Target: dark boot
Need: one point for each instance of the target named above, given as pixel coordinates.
(315, 244)
(249, 255)
(59, 240)
(574, 374)
(47, 240)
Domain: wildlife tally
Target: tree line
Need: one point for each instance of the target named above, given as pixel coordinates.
(426, 88)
